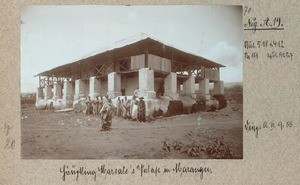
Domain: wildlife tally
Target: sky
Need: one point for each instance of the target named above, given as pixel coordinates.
(55, 35)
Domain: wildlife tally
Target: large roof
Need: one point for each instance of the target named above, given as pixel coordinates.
(132, 46)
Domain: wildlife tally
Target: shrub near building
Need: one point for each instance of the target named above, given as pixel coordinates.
(234, 93)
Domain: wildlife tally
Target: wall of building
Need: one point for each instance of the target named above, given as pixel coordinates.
(104, 87)
(197, 87)
(159, 63)
(87, 89)
(155, 62)
(158, 84)
(130, 85)
(212, 74)
(137, 62)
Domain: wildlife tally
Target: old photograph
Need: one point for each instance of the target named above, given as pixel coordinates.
(132, 82)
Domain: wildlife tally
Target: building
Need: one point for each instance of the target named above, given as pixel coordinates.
(138, 62)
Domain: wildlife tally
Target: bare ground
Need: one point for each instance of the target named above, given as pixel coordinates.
(49, 135)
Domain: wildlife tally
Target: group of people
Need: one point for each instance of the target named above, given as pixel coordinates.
(102, 106)
(94, 106)
(133, 109)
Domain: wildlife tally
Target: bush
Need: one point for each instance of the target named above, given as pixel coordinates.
(28, 98)
(234, 93)
(175, 107)
(222, 100)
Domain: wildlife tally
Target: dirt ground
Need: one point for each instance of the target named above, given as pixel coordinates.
(49, 135)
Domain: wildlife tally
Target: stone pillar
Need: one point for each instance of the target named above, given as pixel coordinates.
(39, 93)
(79, 89)
(48, 92)
(146, 83)
(189, 86)
(170, 84)
(218, 87)
(68, 94)
(114, 85)
(57, 92)
(204, 88)
(95, 86)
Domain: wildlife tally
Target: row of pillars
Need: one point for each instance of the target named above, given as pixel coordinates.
(189, 87)
(146, 87)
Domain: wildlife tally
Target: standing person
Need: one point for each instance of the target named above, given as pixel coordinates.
(136, 92)
(91, 106)
(113, 106)
(106, 114)
(100, 104)
(134, 110)
(131, 105)
(128, 109)
(124, 107)
(88, 106)
(95, 103)
(141, 110)
(119, 107)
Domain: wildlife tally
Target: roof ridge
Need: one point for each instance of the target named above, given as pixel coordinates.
(117, 44)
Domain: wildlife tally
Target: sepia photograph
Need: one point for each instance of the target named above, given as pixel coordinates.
(132, 82)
